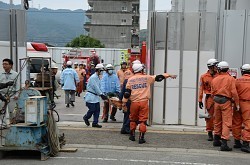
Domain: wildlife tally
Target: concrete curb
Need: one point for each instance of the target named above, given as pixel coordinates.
(117, 127)
(153, 149)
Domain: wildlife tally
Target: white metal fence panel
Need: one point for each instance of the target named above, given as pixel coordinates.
(234, 37)
(172, 88)
(247, 35)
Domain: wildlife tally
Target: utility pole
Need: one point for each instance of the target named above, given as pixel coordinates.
(11, 4)
(151, 7)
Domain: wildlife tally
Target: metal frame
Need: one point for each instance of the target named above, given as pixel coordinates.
(28, 69)
(165, 70)
(182, 33)
(198, 69)
(245, 37)
(152, 64)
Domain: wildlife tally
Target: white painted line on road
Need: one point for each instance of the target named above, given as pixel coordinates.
(134, 160)
(72, 114)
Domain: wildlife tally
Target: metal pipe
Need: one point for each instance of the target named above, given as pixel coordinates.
(151, 7)
(16, 37)
(165, 70)
(217, 45)
(42, 72)
(50, 74)
(198, 70)
(181, 67)
(11, 39)
(245, 38)
(152, 55)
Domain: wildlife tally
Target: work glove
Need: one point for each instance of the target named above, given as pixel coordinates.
(5, 85)
(200, 105)
(110, 94)
(104, 97)
(159, 78)
(3, 98)
(10, 83)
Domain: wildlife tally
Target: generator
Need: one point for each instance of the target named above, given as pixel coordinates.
(37, 133)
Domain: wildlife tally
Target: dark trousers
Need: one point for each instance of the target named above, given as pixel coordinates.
(126, 121)
(94, 109)
(69, 96)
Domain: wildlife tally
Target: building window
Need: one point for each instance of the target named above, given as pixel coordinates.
(124, 8)
(124, 20)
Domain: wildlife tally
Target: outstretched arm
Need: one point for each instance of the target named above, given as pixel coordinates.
(163, 76)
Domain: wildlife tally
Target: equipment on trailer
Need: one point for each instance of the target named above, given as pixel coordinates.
(33, 127)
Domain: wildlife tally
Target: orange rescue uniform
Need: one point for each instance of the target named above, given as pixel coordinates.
(139, 84)
(122, 74)
(81, 73)
(205, 87)
(224, 86)
(243, 89)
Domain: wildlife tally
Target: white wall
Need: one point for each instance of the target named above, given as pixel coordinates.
(109, 55)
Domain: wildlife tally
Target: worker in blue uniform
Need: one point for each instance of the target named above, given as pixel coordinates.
(110, 85)
(69, 80)
(92, 97)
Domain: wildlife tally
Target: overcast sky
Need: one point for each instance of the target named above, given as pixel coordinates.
(161, 5)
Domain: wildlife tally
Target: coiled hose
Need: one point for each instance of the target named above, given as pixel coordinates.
(53, 134)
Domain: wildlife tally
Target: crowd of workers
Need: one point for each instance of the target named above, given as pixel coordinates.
(227, 98)
(131, 87)
(227, 102)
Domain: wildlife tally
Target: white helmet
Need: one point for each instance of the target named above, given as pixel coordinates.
(99, 66)
(76, 63)
(223, 65)
(245, 68)
(137, 68)
(136, 62)
(69, 63)
(84, 64)
(109, 67)
(53, 65)
(212, 62)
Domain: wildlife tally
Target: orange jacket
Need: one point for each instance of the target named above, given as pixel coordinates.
(224, 85)
(139, 84)
(243, 87)
(205, 84)
(123, 74)
(81, 73)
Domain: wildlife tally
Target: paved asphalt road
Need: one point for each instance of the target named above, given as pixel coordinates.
(135, 157)
(108, 146)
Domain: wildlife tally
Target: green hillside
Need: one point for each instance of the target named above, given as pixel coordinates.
(55, 27)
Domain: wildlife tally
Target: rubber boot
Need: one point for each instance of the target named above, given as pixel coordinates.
(245, 147)
(224, 146)
(141, 138)
(217, 141)
(237, 143)
(132, 135)
(210, 136)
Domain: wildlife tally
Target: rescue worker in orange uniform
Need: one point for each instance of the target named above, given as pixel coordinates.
(243, 89)
(205, 87)
(237, 126)
(224, 91)
(122, 72)
(138, 91)
(81, 74)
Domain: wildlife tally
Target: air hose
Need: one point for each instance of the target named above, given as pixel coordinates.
(53, 135)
